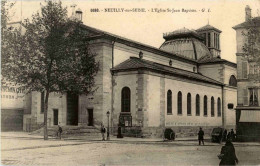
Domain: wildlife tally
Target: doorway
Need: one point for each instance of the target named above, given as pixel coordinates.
(72, 109)
(90, 117)
(55, 116)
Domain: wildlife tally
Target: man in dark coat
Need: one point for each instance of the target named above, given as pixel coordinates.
(201, 136)
(59, 131)
(103, 131)
(228, 154)
(229, 136)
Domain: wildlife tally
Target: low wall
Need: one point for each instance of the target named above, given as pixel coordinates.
(158, 132)
(11, 120)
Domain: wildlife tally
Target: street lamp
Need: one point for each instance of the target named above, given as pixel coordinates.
(108, 113)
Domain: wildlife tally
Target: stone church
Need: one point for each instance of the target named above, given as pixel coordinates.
(183, 85)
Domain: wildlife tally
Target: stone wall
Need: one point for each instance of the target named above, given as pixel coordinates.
(194, 88)
(214, 71)
(11, 120)
(149, 95)
(123, 52)
(131, 81)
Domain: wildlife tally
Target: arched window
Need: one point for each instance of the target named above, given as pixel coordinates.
(197, 105)
(125, 99)
(205, 106)
(189, 104)
(179, 102)
(212, 106)
(169, 102)
(219, 107)
(232, 81)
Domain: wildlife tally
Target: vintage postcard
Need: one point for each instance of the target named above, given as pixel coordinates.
(143, 82)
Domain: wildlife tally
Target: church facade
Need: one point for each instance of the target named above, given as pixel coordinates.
(182, 85)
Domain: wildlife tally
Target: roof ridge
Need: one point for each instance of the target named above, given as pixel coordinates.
(161, 68)
(139, 43)
(208, 27)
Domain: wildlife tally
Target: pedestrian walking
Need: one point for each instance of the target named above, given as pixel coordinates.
(59, 131)
(228, 154)
(103, 131)
(201, 136)
(229, 136)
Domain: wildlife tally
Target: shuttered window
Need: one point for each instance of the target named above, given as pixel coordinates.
(253, 99)
(245, 97)
(244, 70)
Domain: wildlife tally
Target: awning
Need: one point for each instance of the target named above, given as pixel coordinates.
(250, 116)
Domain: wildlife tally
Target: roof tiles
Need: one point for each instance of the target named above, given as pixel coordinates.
(136, 63)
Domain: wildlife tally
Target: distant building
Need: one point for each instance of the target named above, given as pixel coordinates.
(12, 100)
(12, 105)
(248, 108)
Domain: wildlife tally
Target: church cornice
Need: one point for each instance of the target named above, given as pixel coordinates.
(136, 64)
(98, 34)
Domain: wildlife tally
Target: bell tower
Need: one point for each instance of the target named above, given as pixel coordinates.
(211, 36)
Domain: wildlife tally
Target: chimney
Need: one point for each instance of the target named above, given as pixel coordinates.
(78, 14)
(248, 13)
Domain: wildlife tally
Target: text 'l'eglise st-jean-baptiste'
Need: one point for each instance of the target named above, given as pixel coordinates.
(183, 85)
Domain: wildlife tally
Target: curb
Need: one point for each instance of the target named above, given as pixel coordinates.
(44, 146)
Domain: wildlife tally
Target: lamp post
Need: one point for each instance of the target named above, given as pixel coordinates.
(108, 113)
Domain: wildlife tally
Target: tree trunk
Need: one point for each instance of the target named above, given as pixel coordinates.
(45, 115)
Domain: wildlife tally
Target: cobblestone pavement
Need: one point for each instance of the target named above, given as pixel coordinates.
(125, 151)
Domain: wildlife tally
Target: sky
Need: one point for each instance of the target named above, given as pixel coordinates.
(148, 27)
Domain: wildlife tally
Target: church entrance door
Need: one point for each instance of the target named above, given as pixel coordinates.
(72, 109)
(90, 117)
(55, 116)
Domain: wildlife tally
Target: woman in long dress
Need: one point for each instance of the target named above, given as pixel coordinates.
(228, 154)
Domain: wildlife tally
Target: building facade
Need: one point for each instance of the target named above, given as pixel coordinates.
(248, 108)
(12, 99)
(183, 85)
(12, 105)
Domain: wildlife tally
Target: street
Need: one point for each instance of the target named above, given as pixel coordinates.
(32, 150)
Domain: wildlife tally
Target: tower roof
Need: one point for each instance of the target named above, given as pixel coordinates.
(208, 27)
(185, 42)
(250, 23)
(180, 33)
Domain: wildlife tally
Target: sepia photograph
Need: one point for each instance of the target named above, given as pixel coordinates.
(142, 82)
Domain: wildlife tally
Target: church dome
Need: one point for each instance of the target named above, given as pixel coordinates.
(185, 42)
